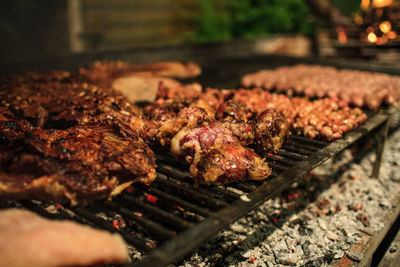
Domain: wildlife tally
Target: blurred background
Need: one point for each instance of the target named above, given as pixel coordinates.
(33, 29)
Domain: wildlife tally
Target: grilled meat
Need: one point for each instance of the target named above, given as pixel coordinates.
(191, 141)
(170, 116)
(227, 163)
(213, 97)
(326, 118)
(138, 82)
(80, 141)
(193, 133)
(104, 73)
(30, 240)
(231, 111)
(76, 165)
(270, 130)
(360, 88)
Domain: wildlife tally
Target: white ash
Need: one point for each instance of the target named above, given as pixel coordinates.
(316, 231)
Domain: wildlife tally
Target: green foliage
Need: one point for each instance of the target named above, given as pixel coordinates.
(252, 18)
(347, 6)
(214, 25)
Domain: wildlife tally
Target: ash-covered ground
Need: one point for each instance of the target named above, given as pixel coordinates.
(317, 221)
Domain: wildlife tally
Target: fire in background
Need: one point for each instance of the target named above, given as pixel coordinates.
(377, 22)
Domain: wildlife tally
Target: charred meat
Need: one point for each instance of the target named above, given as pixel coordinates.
(228, 163)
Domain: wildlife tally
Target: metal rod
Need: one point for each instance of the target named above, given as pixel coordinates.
(192, 193)
(136, 242)
(380, 139)
(175, 200)
(153, 228)
(212, 191)
(292, 155)
(167, 217)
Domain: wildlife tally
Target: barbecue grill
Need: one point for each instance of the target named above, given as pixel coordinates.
(171, 217)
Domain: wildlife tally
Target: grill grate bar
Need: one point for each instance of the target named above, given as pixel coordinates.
(292, 155)
(153, 228)
(169, 159)
(61, 214)
(189, 192)
(298, 150)
(245, 186)
(174, 200)
(136, 242)
(212, 191)
(281, 160)
(275, 166)
(168, 218)
(305, 140)
(307, 147)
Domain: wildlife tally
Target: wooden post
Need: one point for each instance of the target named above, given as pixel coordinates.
(75, 25)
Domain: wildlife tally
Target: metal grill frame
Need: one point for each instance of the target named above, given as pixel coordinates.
(221, 73)
(185, 242)
(192, 235)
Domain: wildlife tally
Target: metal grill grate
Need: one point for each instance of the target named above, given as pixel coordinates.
(170, 218)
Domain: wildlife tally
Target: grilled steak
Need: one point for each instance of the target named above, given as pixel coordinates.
(80, 163)
(66, 140)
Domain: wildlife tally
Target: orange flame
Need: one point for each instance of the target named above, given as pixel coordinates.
(365, 4)
(385, 26)
(372, 37)
(392, 35)
(381, 3)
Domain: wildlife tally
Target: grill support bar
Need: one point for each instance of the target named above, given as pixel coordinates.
(380, 139)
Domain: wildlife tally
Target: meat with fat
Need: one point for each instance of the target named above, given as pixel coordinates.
(30, 240)
(228, 163)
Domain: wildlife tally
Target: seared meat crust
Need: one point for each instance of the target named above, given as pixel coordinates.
(66, 140)
(228, 163)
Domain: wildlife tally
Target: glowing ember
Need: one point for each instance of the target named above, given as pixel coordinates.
(178, 207)
(372, 37)
(149, 244)
(115, 224)
(138, 214)
(370, 29)
(392, 35)
(385, 26)
(151, 198)
(130, 189)
(342, 36)
(382, 40)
